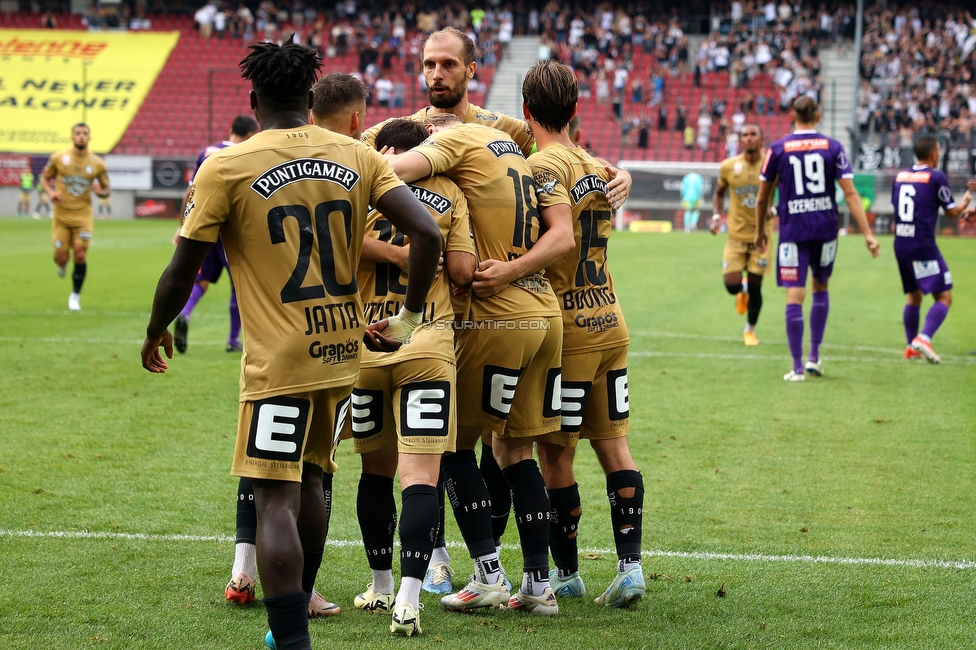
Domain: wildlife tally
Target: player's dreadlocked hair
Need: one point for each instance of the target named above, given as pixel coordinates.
(281, 75)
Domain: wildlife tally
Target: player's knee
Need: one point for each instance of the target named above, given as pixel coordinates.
(945, 297)
(733, 288)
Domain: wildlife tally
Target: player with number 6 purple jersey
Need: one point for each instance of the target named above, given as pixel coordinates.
(806, 165)
(917, 194)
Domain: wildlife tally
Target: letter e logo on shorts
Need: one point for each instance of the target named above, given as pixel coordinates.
(498, 390)
(278, 427)
(552, 406)
(618, 394)
(367, 412)
(574, 395)
(425, 408)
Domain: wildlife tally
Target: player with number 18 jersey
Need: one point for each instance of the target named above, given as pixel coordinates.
(496, 179)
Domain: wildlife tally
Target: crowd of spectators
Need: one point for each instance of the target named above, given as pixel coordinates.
(626, 57)
(917, 73)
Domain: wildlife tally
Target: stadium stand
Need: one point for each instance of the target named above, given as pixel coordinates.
(199, 91)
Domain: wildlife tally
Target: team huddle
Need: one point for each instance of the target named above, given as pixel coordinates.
(332, 287)
(431, 283)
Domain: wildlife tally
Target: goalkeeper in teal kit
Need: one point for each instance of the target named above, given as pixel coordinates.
(692, 187)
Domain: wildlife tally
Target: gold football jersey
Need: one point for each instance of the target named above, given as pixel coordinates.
(73, 180)
(383, 286)
(290, 207)
(495, 177)
(592, 318)
(518, 130)
(742, 180)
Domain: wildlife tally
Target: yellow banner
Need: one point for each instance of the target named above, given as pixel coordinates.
(52, 79)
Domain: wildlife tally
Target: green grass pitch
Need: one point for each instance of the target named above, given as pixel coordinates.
(837, 513)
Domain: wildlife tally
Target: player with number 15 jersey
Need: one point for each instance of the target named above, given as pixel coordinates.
(592, 319)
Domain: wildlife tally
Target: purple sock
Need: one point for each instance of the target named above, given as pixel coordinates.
(933, 319)
(195, 296)
(818, 322)
(794, 334)
(235, 319)
(910, 316)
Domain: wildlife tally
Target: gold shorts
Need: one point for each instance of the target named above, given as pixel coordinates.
(740, 255)
(508, 377)
(24, 196)
(277, 434)
(595, 401)
(424, 420)
(63, 236)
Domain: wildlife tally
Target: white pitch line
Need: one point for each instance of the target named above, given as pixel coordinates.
(686, 555)
(62, 339)
(949, 361)
(92, 312)
(840, 346)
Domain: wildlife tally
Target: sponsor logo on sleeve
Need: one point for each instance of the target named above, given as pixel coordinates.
(587, 185)
(504, 148)
(302, 169)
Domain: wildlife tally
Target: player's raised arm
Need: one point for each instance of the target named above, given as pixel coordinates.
(857, 211)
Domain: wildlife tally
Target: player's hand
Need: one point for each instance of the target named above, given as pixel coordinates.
(969, 217)
(971, 185)
(55, 197)
(618, 189)
(403, 253)
(966, 199)
(151, 359)
(491, 277)
(376, 341)
(397, 329)
(761, 241)
(716, 224)
(873, 246)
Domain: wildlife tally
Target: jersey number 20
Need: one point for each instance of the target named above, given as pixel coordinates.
(309, 231)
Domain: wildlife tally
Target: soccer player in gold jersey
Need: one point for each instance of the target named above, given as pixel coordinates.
(448, 65)
(508, 351)
(290, 206)
(68, 180)
(739, 177)
(403, 404)
(594, 388)
(448, 62)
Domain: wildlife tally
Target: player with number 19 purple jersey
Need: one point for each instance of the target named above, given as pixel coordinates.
(807, 164)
